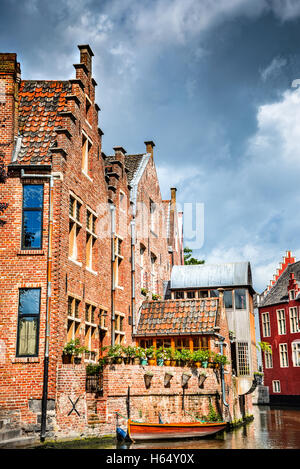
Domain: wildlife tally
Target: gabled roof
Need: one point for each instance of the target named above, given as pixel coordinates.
(132, 163)
(178, 317)
(279, 292)
(40, 103)
(211, 275)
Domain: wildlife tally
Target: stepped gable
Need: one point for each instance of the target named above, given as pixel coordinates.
(40, 103)
(197, 316)
(279, 291)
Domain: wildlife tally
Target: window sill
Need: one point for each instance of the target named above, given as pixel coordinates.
(25, 360)
(86, 175)
(91, 271)
(30, 252)
(119, 288)
(75, 262)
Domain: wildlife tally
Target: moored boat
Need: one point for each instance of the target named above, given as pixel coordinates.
(163, 431)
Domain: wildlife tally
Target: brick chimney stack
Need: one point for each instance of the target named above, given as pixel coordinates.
(149, 147)
(120, 154)
(173, 196)
(10, 78)
(86, 55)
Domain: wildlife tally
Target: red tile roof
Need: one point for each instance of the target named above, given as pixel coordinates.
(195, 316)
(40, 103)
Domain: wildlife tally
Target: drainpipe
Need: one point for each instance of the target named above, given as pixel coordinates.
(132, 226)
(113, 229)
(221, 343)
(48, 299)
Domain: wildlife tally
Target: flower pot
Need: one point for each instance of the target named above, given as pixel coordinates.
(118, 360)
(204, 364)
(136, 361)
(143, 361)
(77, 360)
(173, 363)
(202, 378)
(160, 361)
(167, 362)
(151, 361)
(127, 360)
(67, 359)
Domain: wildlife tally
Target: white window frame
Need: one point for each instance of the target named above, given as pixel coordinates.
(268, 360)
(281, 323)
(91, 237)
(296, 353)
(292, 295)
(294, 321)
(76, 226)
(276, 386)
(283, 355)
(86, 147)
(266, 326)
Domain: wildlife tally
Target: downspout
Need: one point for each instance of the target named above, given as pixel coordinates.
(221, 340)
(132, 226)
(112, 235)
(48, 300)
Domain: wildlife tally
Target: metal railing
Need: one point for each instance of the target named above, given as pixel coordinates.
(94, 384)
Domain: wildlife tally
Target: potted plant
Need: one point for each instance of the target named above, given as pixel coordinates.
(129, 353)
(150, 354)
(220, 360)
(196, 358)
(205, 355)
(141, 354)
(168, 355)
(155, 297)
(186, 356)
(72, 351)
(160, 354)
(144, 291)
(115, 353)
(177, 357)
(202, 377)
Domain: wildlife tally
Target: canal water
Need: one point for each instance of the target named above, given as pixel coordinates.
(272, 428)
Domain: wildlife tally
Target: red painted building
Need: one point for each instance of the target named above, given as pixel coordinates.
(280, 327)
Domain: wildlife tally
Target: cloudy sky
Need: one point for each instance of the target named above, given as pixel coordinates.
(212, 82)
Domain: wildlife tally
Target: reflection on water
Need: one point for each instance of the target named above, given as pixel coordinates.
(272, 428)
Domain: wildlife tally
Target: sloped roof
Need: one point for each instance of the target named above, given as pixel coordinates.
(40, 103)
(132, 163)
(279, 292)
(211, 275)
(178, 317)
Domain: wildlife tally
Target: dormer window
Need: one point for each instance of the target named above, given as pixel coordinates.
(292, 294)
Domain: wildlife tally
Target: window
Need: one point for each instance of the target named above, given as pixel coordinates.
(243, 359)
(86, 147)
(283, 355)
(240, 298)
(214, 294)
(88, 108)
(90, 332)
(119, 328)
(200, 343)
(145, 343)
(102, 319)
(153, 273)
(203, 294)
(165, 343)
(73, 318)
(142, 253)
(281, 321)
(122, 201)
(266, 329)
(181, 343)
(276, 386)
(28, 322)
(32, 219)
(90, 237)
(118, 259)
(294, 324)
(228, 299)
(191, 294)
(74, 226)
(296, 353)
(152, 215)
(268, 359)
(292, 294)
(179, 295)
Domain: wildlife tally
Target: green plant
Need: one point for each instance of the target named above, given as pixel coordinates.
(264, 347)
(92, 369)
(130, 351)
(150, 352)
(140, 352)
(116, 350)
(213, 416)
(144, 291)
(160, 353)
(74, 348)
(221, 359)
(155, 297)
(188, 259)
(200, 355)
(186, 355)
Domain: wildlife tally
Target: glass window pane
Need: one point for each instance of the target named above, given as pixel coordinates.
(214, 293)
(240, 299)
(228, 298)
(29, 301)
(33, 196)
(32, 229)
(27, 343)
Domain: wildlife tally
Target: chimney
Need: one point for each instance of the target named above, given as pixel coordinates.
(120, 154)
(10, 78)
(86, 55)
(173, 196)
(149, 147)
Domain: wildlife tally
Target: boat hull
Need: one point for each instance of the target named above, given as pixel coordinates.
(167, 431)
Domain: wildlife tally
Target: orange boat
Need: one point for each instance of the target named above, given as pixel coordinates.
(163, 431)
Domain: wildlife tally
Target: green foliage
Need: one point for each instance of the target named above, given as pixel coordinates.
(264, 347)
(74, 348)
(155, 297)
(150, 352)
(189, 260)
(115, 351)
(93, 369)
(144, 291)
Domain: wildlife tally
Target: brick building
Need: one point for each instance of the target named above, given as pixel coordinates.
(279, 321)
(74, 226)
